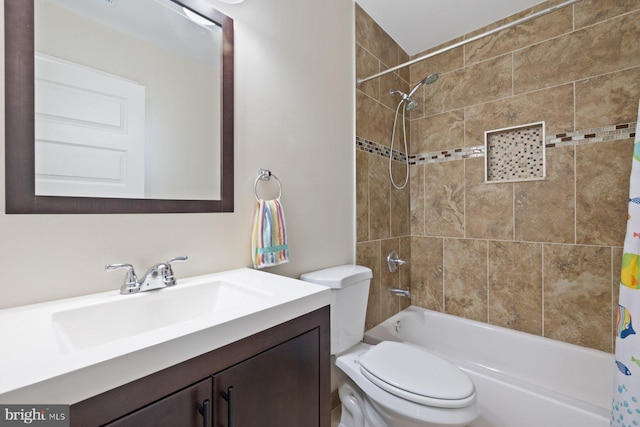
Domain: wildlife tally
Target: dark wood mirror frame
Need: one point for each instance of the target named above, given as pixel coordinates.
(20, 133)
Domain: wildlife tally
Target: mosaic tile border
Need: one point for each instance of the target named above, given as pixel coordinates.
(581, 137)
(380, 150)
(589, 136)
(447, 155)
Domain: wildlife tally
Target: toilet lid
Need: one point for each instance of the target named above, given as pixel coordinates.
(406, 370)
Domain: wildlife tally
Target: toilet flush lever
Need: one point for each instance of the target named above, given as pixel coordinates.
(393, 261)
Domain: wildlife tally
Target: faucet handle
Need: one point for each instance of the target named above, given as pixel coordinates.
(130, 280)
(169, 279)
(178, 258)
(393, 260)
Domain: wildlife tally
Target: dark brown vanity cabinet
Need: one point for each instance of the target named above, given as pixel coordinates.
(277, 388)
(276, 378)
(190, 407)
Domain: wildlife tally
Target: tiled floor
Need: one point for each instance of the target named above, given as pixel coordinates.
(335, 416)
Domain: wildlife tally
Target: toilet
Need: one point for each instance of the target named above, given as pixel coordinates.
(390, 384)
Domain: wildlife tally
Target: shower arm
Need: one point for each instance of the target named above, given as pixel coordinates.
(415, 88)
(399, 92)
(472, 39)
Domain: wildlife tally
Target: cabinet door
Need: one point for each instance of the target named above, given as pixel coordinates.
(276, 388)
(190, 407)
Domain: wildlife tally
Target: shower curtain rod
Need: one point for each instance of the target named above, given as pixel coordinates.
(472, 39)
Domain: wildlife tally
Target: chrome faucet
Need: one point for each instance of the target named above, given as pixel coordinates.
(159, 276)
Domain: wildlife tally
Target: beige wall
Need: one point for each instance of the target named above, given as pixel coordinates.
(293, 68)
(541, 257)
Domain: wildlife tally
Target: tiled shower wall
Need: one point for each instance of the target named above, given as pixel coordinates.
(541, 257)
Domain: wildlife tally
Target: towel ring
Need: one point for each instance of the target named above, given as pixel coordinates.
(265, 175)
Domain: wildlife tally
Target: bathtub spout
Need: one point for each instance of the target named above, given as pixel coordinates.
(400, 292)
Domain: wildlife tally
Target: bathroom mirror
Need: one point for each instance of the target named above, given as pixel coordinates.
(149, 145)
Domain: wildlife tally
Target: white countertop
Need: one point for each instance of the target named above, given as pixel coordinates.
(36, 367)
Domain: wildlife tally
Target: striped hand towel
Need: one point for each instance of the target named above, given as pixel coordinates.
(269, 241)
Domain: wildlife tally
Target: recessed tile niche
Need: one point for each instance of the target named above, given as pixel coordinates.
(515, 153)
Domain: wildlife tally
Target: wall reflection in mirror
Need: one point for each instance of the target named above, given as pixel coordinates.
(127, 100)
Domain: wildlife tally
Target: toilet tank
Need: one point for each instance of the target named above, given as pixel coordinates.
(349, 294)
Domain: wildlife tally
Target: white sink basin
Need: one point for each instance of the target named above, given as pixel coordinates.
(128, 315)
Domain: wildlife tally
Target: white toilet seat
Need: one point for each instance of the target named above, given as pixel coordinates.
(417, 375)
(441, 412)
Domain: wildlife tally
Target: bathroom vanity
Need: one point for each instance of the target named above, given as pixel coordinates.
(278, 377)
(238, 348)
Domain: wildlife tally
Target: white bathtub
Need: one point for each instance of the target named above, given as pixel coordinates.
(522, 380)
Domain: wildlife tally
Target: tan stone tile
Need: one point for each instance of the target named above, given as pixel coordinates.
(444, 199)
(399, 220)
(515, 286)
(607, 100)
(577, 295)
(602, 192)
(373, 120)
(489, 207)
(545, 210)
(368, 255)
(588, 12)
(405, 72)
(465, 278)
(375, 52)
(379, 199)
(389, 304)
(366, 65)
(440, 132)
(362, 195)
(426, 273)
(479, 83)
(416, 202)
(441, 63)
(364, 27)
(405, 271)
(383, 47)
(554, 106)
(603, 48)
(519, 36)
(366, 114)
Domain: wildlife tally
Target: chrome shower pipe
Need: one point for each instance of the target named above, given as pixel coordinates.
(472, 39)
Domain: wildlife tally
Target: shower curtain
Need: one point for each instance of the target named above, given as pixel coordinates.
(626, 394)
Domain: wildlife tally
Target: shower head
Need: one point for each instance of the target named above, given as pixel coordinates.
(426, 81)
(411, 104)
(430, 79)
